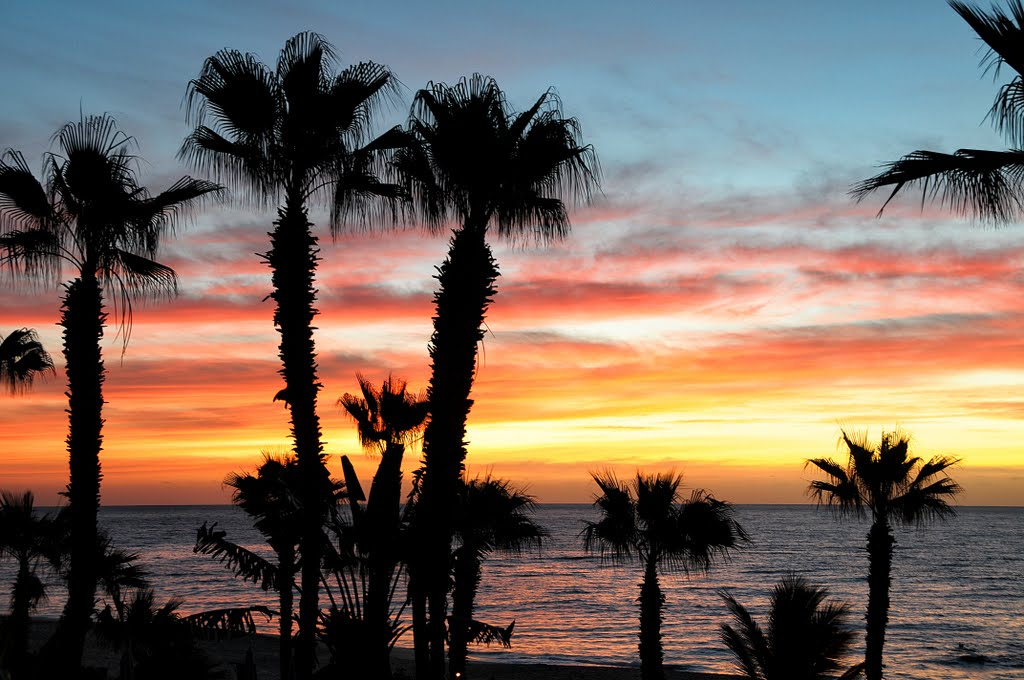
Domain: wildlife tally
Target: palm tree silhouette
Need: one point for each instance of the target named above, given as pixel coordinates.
(388, 418)
(493, 516)
(22, 358)
(93, 218)
(645, 521)
(895, 488)
(805, 639)
(270, 498)
(482, 164)
(984, 183)
(299, 135)
(28, 539)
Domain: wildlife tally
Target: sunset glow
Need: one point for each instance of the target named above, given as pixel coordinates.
(723, 308)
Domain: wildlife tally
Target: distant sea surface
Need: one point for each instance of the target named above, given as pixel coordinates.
(958, 587)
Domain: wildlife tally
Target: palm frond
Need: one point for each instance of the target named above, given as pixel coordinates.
(22, 358)
(1002, 32)
(480, 633)
(1007, 112)
(141, 275)
(32, 252)
(746, 641)
(705, 531)
(23, 200)
(986, 184)
(245, 564)
(232, 622)
(615, 534)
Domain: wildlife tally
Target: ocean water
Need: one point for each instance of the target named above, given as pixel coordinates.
(958, 587)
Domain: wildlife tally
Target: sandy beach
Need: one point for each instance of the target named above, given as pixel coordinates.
(229, 652)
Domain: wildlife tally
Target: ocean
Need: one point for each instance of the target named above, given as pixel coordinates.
(958, 587)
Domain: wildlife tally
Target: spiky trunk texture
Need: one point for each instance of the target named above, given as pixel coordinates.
(293, 259)
(880, 551)
(286, 576)
(383, 513)
(82, 318)
(652, 601)
(466, 572)
(465, 290)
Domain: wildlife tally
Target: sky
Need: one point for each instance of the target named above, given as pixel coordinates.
(723, 308)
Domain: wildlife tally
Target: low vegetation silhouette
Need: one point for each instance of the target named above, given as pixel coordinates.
(886, 483)
(805, 637)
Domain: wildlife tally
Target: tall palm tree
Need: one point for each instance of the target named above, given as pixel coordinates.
(483, 165)
(493, 516)
(93, 219)
(388, 418)
(297, 135)
(646, 521)
(986, 184)
(805, 639)
(22, 358)
(28, 539)
(885, 481)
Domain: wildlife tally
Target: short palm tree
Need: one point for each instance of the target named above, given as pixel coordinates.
(270, 498)
(805, 638)
(388, 419)
(29, 539)
(885, 481)
(93, 220)
(646, 521)
(493, 516)
(486, 167)
(297, 135)
(986, 184)
(22, 358)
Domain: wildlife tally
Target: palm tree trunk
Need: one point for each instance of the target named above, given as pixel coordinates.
(880, 551)
(292, 259)
(652, 601)
(465, 290)
(286, 576)
(466, 575)
(383, 514)
(420, 643)
(82, 318)
(15, 647)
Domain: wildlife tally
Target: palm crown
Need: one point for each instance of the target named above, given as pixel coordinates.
(386, 415)
(887, 481)
(299, 129)
(644, 520)
(91, 213)
(479, 160)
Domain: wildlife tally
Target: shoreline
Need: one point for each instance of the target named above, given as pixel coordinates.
(264, 648)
